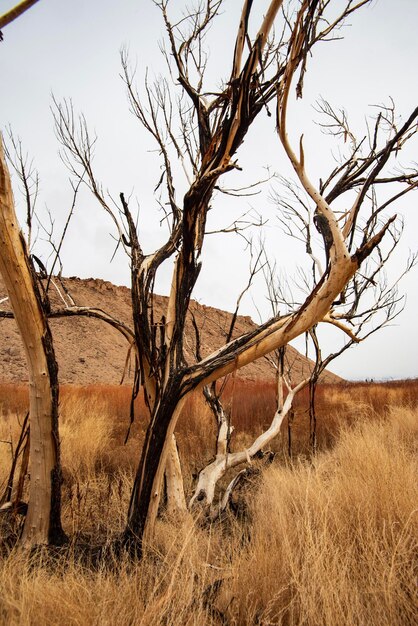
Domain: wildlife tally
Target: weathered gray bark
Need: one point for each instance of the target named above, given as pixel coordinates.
(43, 522)
(176, 501)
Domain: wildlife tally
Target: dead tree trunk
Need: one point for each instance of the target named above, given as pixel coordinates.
(146, 492)
(43, 520)
(176, 501)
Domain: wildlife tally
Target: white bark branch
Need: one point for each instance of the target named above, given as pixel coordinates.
(331, 320)
(176, 501)
(212, 473)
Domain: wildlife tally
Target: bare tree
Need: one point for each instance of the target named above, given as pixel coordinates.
(43, 519)
(202, 131)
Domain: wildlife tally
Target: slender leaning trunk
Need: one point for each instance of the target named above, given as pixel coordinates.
(43, 520)
(148, 483)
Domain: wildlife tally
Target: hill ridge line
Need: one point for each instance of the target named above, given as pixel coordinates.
(91, 352)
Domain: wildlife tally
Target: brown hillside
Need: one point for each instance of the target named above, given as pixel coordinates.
(90, 351)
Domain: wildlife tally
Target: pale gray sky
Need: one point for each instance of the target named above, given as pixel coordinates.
(71, 49)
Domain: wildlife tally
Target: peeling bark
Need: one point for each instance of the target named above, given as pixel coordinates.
(43, 522)
(146, 492)
(176, 501)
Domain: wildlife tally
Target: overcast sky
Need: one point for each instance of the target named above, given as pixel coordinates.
(71, 49)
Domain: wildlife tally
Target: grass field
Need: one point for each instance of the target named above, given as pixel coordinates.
(325, 540)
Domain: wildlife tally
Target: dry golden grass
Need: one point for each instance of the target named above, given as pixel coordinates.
(85, 434)
(329, 541)
(335, 542)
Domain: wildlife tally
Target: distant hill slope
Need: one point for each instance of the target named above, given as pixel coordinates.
(90, 351)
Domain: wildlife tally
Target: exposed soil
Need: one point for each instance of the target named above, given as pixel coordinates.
(90, 351)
